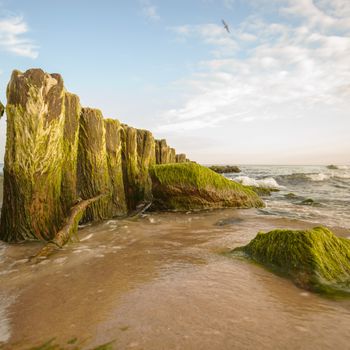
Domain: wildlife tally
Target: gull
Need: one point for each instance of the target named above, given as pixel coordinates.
(226, 26)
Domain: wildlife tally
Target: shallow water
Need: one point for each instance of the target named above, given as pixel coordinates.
(329, 189)
(161, 282)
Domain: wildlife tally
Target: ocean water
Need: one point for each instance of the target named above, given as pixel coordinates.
(311, 193)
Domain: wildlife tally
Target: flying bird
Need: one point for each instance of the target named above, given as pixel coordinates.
(226, 26)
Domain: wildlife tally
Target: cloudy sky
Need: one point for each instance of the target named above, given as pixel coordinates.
(275, 90)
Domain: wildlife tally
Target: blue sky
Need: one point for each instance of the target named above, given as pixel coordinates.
(274, 90)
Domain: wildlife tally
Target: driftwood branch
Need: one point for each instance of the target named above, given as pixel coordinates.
(69, 228)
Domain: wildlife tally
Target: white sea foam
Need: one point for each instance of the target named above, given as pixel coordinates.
(5, 330)
(86, 238)
(268, 182)
(343, 175)
(318, 177)
(343, 167)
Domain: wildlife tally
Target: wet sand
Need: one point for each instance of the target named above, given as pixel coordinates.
(161, 282)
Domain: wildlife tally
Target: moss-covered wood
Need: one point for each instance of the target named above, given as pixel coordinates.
(146, 159)
(180, 158)
(162, 152)
(314, 259)
(68, 230)
(33, 157)
(189, 186)
(172, 155)
(138, 154)
(70, 151)
(2, 109)
(93, 174)
(115, 170)
(130, 165)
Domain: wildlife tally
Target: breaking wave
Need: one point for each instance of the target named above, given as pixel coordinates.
(268, 182)
(318, 177)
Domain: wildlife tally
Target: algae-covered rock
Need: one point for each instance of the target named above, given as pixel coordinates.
(224, 169)
(189, 186)
(290, 195)
(314, 259)
(261, 191)
(33, 157)
(2, 109)
(332, 167)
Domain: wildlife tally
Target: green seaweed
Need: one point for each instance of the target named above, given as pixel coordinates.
(186, 186)
(314, 259)
(72, 344)
(261, 191)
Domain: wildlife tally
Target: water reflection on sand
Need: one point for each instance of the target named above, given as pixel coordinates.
(160, 282)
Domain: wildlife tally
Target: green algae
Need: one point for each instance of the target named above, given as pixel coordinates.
(72, 344)
(261, 191)
(186, 186)
(314, 259)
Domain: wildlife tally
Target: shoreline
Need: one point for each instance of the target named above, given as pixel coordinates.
(118, 258)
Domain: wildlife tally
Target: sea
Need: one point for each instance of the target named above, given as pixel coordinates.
(317, 194)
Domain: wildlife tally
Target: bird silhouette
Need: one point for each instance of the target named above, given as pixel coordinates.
(226, 26)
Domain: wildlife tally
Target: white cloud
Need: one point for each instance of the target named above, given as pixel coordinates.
(12, 30)
(149, 10)
(324, 14)
(211, 34)
(267, 71)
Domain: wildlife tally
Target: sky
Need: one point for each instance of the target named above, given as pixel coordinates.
(275, 90)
